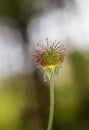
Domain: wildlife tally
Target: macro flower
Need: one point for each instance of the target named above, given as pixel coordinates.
(49, 54)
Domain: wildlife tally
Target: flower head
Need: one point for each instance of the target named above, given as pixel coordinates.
(50, 54)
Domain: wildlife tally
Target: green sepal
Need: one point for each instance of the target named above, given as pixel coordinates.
(51, 72)
(56, 70)
(48, 71)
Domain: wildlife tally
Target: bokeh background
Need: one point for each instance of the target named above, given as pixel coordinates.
(24, 96)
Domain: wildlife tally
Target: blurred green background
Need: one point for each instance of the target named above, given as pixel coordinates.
(24, 96)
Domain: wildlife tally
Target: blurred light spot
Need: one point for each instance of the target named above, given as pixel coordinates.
(12, 51)
(67, 25)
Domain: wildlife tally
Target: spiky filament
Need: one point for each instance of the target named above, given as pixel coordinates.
(50, 54)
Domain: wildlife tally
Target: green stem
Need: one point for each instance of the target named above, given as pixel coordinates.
(51, 104)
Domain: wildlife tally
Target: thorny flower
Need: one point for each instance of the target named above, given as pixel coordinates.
(49, 55)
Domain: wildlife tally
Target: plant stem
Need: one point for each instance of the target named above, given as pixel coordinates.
(51, 103)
